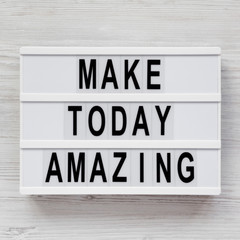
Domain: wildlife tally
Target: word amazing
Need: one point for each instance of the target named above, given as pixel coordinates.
(76, 168)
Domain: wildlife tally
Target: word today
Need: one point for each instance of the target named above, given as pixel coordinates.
(117, 112)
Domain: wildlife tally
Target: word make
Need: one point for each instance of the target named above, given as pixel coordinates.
(89, 77)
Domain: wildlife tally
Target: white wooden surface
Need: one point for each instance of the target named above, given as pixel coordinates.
(119, 23)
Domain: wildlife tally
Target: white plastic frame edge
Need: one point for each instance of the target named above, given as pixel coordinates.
(121, 190)
(120, 50)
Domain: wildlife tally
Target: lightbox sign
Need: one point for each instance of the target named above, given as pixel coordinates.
(120, 120)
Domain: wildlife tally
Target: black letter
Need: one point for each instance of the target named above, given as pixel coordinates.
(189, 169)
(141, 167)
(90, 123)
(101, 171)
(121, 131)
(166, 171)
(80, 164)
(163, 117)
(75, 109)
(87, 77)
(51, 172)
(115, 177)
(112, 78)
(151, 73)
(143, 125)
(131, 74)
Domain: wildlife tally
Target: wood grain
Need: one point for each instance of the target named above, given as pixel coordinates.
(119, 23)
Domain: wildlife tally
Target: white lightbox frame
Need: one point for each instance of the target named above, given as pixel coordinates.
(121, 97)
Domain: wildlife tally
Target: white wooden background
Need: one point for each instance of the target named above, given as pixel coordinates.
(119, 23)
